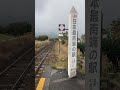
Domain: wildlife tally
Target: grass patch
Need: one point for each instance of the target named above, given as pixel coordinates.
(60, 59)
(117, 77)
(80, 66)
(59, 65)
(104, 85)
(5, 37)
(39, 44)
(11, 49)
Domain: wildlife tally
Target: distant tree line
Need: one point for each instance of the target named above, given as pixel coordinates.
(53, 39)
(42, 38)
(16, 29)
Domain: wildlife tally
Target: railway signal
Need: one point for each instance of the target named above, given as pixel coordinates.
(61, 27)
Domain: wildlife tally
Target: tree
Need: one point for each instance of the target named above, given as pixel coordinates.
(18, 28)
(65, 36)
(111, 47)
(81, 44)
(63, 41)
(111, 44)
(83, 37)
(115, 28)
(43, 38)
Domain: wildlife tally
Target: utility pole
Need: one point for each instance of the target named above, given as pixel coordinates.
(59, 45)
(77, 42)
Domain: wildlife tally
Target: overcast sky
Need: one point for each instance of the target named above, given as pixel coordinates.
(50, 13)
(47, 14)
(17, 11)
(111, 11)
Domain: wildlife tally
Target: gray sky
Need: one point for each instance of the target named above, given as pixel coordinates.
(50, 13)
(111, 11)
(17, 11)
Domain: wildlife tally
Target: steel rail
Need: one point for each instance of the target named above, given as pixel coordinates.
(25, 70)
(15, 61)
(42, 50)
(23, 73)
(40, 64)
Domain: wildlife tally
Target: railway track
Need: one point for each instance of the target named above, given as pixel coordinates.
(18, 74)
(43, 47)
(40, 59)
(11, 77)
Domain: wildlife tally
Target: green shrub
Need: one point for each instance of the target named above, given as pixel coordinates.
(63, 41)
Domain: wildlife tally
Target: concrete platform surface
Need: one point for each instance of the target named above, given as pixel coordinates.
(57, 79)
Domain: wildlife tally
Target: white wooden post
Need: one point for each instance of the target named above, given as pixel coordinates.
(72, 43)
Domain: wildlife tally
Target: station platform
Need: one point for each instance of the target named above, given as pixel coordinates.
(57, 79)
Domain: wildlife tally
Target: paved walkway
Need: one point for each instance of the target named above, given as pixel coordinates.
(58, 80)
